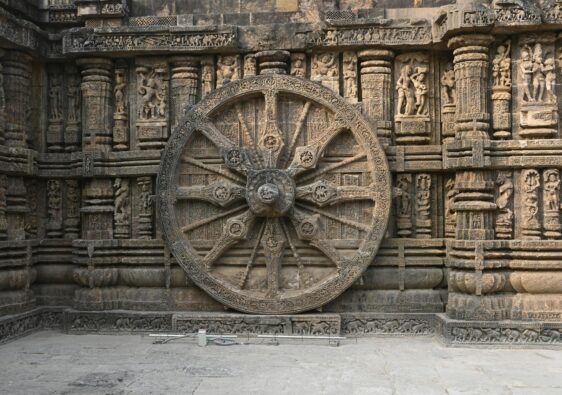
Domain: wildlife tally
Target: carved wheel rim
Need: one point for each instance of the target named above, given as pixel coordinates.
(260, 202)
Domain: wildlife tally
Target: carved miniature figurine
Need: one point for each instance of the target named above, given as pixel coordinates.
(501, 66)
(250, 65)
(207, 79)
(448, 85)
(531, 201)
(121, 188)
(55, 98)
(552, 190)
(405, 104)
(539, 80)
(504, 219)
(119, 92)
(228, 69)
(350, 75)
(526, 73)
(73, 95)
(325, 65)
(418, 80)
(405, 199)
(550, 80)
(148, 91)
(298, 66)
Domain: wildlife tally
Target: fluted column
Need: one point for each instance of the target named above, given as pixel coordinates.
(96, 103)
(17, 89)
(184, 80)
(376, 89)
(474, 203)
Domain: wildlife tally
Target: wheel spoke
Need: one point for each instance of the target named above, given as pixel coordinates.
(345, 221)
(219, 193)
(307, 157)
(312, 229)
(273, 244)
(252, 259)
(271, 143)
(334, 166)
(205, 221)
(216, 170)
(323, 193)
(296, 255)
(234, 230)
(210, 131)
(298, 131)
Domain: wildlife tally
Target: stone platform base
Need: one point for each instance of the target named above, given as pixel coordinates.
(450, 332)
(459, 332)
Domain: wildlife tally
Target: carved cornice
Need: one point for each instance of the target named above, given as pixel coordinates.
(84, 41)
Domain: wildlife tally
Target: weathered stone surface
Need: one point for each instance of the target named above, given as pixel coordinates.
(280, 156)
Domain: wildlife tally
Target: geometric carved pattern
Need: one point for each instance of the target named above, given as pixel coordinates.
(274, 194)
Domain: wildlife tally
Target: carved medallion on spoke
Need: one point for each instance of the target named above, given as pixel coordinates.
(274, 194)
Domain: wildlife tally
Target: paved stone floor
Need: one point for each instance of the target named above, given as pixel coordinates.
(54, 363)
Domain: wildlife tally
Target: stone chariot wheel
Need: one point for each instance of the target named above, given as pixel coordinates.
(274, 194)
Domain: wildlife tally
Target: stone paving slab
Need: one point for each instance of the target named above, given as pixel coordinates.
(50, 362)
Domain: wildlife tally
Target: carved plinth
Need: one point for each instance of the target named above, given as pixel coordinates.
(412, 129)
(55, 136)
(152, 134)
(538, 121)
(244, 324)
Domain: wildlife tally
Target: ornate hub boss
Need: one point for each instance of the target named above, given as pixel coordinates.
(274, 194)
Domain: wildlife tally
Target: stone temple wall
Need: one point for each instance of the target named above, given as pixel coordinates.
(390, 166)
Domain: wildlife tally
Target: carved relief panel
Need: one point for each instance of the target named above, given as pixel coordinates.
(152, 103)
(412, 88)
(278, 202)
(536, 86)
(325, 69)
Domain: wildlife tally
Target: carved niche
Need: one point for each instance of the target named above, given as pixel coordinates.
(412, 99)
(537, 86)
(275, 203)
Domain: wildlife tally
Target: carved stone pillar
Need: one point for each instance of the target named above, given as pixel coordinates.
(97, 210)
(474, 203)
(471, 65)
(17, 88)
(472, 287)
(185, 75)
(272, 62)
(96, 103)
(376, 89)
